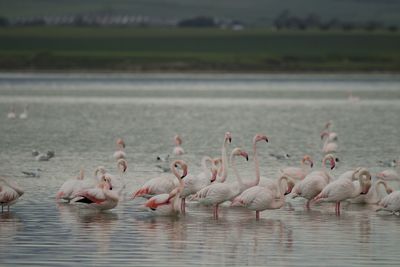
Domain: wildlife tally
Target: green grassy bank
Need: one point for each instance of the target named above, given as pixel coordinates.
(149, 49)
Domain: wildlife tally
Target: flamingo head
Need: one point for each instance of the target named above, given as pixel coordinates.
(120, 143)
(239, 152)
(365, 177)
(182, 165)
(122, 165)
(106, 182)
(307, 158)
(332, 161)
(178, 140)
(228, 137)
(260, 137)
(290, 185)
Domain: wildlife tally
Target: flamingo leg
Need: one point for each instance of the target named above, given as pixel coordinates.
(1, 208)
(216, 211)
(183, 208)
(257, 215)
(308, 204)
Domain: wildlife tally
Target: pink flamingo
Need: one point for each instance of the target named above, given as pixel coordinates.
(120, 154)
(259, 198)
(314, 182)
(342, 189)
(178, 150)
(298, 173)
(216, 193)
(168, 203)
(101, 197)
(193, 183)
(158, 185)
(10, 192)
(391, 202)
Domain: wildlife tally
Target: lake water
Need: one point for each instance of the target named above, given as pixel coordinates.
(80, 116)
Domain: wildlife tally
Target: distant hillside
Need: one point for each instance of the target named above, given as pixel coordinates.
(253, 13)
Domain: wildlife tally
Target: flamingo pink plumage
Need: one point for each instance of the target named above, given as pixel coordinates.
(10, 192)
(342, 189)
(259, 198)
(217, 193)
(101, 197)
(168, 203)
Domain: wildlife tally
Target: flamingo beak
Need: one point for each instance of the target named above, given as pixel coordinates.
(230, 139)
(333, 164)
(245, 155)
(185, 172)
(214, 175)
(312, 164)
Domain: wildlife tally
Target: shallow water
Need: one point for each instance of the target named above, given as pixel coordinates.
(80, 117)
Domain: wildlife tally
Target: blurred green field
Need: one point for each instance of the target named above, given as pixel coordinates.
(172, 49)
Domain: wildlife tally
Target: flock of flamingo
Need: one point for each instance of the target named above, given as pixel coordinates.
(168, 194)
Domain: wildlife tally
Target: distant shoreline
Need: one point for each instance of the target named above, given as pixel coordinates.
(139, 50)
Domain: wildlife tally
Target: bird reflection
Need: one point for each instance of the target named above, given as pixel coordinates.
(10, 225)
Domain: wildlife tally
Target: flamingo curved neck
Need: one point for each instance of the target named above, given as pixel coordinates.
(384, 184)
(177, 175)
(224, 162)
(256, 166)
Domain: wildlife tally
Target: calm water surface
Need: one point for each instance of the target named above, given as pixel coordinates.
(80, 117)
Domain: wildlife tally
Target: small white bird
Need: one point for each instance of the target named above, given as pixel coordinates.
(24, 114)
(11, 114)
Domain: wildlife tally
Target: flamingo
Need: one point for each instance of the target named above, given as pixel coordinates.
(178, 150)
(193, 183)
(314, 182)
(101, 197)
(373, 196)
(159, 185)
(120, 154)
(259, 198)
(24, 114)
(391, 202)
(298, 173)
(70, 187)
(342, 189)
(168, 203)
(10, 192)
(216, 193)
(11, 114)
